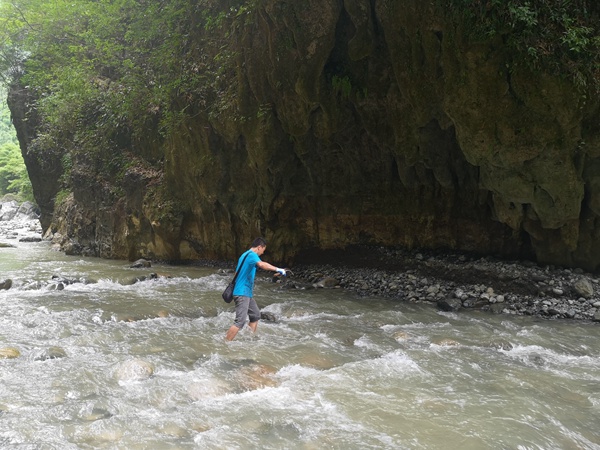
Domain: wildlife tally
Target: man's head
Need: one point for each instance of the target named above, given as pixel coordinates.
(260, 245)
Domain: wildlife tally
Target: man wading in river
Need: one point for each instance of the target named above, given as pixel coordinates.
(245, 305)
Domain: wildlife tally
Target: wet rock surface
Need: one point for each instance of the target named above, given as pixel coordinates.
(454, 282)
(18, 222)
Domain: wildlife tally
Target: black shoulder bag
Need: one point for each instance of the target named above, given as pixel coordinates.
(228, 292)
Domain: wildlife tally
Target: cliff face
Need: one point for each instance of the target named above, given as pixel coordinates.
(355, 122)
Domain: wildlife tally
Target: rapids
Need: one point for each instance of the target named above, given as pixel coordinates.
(145, 366)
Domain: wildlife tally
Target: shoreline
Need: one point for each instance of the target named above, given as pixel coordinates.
(454, 281)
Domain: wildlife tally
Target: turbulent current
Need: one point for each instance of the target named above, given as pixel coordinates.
(107, 363)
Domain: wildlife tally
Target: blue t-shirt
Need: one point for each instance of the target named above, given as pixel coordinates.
(244, 284)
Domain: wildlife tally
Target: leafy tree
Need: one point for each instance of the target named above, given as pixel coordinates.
(109, 68)
(13, 173)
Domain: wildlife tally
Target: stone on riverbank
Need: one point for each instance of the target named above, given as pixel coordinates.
(449, 304)
(486, 283)
(584, 287)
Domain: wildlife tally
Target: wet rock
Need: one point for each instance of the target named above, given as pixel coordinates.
(8, 210)
(5, 245)
(6, 284)
(27, 211)
(584, 287)
(270, 317)
(134, 370)
(97, 414)
(400, 335)
(31, 239)
(501, 345)
(297, 285)
(72, 248)
(450, 304)
(68, 281)
(257, 376)
(207, 388)
(152, 276)
(9, 353)
(51, 353)
(140, 263)
(56, 287)
(446, 342)
(327, 282)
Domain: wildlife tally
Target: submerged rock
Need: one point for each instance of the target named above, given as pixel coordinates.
(270, 317)
(134, 370)
(51, 353)
(327, 282)
(97, 414)
(140, 263)
(9, 353)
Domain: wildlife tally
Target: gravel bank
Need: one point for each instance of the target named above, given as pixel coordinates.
(456, 281)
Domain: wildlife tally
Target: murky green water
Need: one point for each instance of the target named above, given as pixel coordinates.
(335, 371)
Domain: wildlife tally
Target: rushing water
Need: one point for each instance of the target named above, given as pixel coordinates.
(335, 371)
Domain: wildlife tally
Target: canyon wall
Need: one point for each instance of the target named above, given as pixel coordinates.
(353, 122)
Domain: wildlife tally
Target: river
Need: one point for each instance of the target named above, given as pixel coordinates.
(145, 366)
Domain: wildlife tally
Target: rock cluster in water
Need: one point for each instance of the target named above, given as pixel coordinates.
(19, 221)
(453, 282)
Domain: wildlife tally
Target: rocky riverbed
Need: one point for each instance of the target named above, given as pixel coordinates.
(453, 282)
(19, 222)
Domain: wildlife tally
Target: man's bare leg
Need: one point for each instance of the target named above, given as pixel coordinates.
(232, 332)
(253, 325)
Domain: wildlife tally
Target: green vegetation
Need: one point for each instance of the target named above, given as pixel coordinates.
(558, 36)
(342, 86)
(13, 173)
(115, 71)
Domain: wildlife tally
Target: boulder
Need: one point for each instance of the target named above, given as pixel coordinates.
(31, 239)
(140, 263)
(584, 287)
(327, 282)
(449, 304)
(27, 211)
(9, 353)
(134, 370)
(8, 210)
(6, 284)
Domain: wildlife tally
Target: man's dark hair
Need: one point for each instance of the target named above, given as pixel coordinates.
(259, 242)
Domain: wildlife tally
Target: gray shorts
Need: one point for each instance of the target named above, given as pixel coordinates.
(245, 307)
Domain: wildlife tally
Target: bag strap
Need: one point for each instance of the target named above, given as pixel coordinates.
(236, 272)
